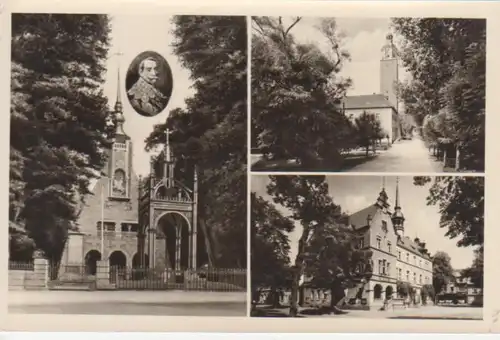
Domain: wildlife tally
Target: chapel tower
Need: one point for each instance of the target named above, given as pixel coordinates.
(389, 72)
(398, 218)
(120, 159)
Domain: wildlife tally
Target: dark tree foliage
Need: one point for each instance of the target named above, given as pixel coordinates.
(461, 205)
(297, 86)
(327, 252)
(476, 271)
(211, 132)
(58, 120)
(368, 130)
(270, 260)
(442, 271)
(447, 61)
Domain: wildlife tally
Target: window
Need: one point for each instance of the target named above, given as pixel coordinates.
(108, 226)
(384, 226)
(474, 290)
(420, 263)
(452, 289)
(414, 277)
(388, 272)
(400, 273)
(361, 243)
(389, 246)
(408, 257)
(420, 279)
(399, 255)
(380, 266)
(379, 241)
(414, 259)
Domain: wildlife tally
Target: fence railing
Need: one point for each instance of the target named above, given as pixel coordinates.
(222, 280)
(21, 266)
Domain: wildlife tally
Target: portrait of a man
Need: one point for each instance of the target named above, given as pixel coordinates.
(150, 83)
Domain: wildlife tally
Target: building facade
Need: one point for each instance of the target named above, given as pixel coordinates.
(134, 222)
(395, 257)
(463, 285)
(385, 104)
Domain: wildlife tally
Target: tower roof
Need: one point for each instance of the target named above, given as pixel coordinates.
(397, 208)
(120, 118)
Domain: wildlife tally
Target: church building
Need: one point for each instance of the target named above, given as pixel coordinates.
(385, 103)
(133, 222)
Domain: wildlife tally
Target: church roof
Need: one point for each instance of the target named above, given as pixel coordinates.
(370, 101)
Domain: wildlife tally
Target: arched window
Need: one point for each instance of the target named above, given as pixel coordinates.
(377, 292)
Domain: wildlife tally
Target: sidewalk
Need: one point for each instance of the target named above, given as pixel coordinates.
(20, 298)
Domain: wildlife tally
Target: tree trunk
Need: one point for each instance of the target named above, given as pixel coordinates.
(367, 150)
(298, 268)
(337, 294)
(294, 303)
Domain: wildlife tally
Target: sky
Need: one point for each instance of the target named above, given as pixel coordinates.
(131, 35)
(354, 193)
(363, 39)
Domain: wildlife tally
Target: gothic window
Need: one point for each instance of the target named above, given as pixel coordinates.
(119, 184)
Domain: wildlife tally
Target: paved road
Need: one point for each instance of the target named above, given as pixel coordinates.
(424, 312)
(128, 303)
(403, 156)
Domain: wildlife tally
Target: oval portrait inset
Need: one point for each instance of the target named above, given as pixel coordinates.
(149, 83)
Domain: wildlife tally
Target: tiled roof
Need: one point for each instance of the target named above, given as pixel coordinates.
(359, 219)
(408, 244)
(370, 101)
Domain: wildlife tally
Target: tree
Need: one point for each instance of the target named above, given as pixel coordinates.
(447, 62)
(211, 132)
(297, 85)
(325, 248)
(442, 272)
(427, 291)
(476, 270)
(461, 205)
(59, 115)
(368, 129)
(270, 247)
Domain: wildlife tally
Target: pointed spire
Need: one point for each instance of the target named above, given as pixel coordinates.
(168, 153)
(397, 193)
(120, 118)
(398, 218)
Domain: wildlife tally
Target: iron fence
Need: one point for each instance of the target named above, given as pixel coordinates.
(220, 280)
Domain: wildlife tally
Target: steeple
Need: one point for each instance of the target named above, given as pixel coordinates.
(398, 218)
(120, 119)
(169, 162)
(389, 50)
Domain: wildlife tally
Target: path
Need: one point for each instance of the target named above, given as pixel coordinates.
(179, 303)
(403, 156)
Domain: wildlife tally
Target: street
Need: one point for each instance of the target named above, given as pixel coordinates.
(403, 156)
(425, 312)
(178, 303)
